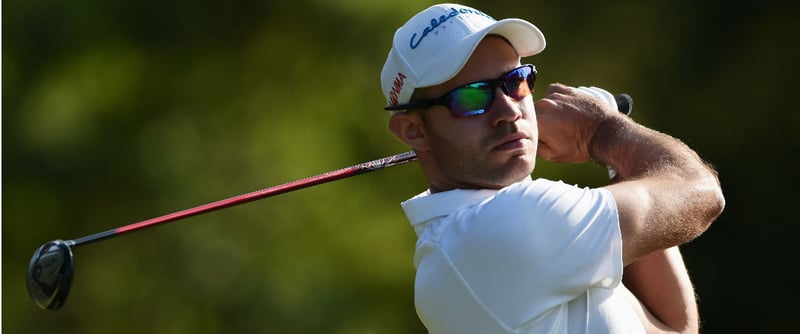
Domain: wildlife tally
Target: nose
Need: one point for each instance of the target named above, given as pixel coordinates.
(504, 108)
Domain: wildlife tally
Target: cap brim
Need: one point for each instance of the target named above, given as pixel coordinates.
(526, 39)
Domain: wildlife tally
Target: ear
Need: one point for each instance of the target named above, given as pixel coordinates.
(410, 128)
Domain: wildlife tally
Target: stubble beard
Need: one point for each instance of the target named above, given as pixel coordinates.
(468, 170)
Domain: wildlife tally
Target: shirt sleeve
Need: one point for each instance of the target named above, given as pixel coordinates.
(536, 245)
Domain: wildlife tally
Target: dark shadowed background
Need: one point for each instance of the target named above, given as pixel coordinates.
(119, 111)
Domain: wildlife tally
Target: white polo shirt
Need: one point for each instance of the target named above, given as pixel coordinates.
(535, 257)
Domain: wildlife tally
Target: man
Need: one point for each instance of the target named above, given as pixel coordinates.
(499, 252)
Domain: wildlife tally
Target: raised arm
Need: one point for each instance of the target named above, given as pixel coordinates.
(666, 195)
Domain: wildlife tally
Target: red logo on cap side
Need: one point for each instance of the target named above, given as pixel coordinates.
(397, 86)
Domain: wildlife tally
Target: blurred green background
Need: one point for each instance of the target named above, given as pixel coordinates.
(118, 111)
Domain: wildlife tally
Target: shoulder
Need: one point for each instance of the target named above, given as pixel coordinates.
(548, 226)
(539, 207)
(541, 197)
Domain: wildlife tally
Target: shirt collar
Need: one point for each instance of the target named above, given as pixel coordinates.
(425, 207)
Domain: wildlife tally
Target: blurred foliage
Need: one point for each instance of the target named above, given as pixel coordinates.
(119, 111)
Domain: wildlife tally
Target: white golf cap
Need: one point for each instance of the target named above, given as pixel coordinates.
(434, 45)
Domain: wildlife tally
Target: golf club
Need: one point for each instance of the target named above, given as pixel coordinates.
(51, 267)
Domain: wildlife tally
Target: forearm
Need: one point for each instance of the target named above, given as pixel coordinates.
(635, 151)
(666, 194)
(663, 288)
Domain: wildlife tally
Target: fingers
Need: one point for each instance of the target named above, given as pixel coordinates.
(556, 95)
(560, 88)
(564, 93)
(559, 96)
(601, 94)
(545, 104)
(566, 119)
(586, 99)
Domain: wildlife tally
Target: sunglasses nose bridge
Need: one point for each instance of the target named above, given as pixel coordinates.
(504, 87)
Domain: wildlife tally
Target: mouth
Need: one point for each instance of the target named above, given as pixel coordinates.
(512, 141)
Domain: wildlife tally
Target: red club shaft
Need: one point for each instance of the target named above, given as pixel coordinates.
(361, 168)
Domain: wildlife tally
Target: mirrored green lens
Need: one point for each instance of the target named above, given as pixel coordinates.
(472, 99)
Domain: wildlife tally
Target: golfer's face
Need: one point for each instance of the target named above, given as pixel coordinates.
(489, 150)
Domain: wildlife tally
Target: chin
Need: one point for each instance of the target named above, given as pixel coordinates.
(522, 163)
(514, 173)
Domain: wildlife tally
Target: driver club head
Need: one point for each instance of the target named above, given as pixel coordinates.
(50, 274)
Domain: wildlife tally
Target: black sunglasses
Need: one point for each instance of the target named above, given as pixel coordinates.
(475, 98)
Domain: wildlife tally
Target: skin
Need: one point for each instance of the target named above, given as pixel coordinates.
(501, 146)
(656, 173)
